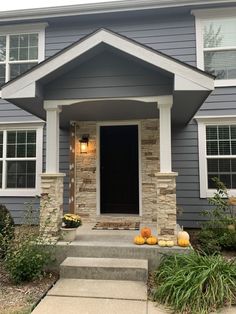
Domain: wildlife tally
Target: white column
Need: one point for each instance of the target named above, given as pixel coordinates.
(164, 105)
(52, 139)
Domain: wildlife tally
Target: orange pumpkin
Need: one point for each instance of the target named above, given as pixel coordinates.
(151, 240)
(183, 242)
(139, 240)
(146, 232)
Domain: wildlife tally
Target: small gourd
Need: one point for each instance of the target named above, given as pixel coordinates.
(151, 240)
(170, 243)
(146, 232)
(139, 240)
(183, 242)
(162, 243)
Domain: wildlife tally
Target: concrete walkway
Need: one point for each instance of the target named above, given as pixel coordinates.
(72, 296)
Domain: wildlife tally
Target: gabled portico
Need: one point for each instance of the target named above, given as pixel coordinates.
(111, 90)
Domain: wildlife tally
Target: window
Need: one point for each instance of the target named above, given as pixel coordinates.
(20, 160)
(217, 154)
(21, 48)
(216, 46)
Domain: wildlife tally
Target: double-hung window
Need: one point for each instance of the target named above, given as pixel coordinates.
(216, 44)
(20, 160)
(217, 154)
(21, 48)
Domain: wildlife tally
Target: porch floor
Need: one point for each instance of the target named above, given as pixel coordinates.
(112, 244)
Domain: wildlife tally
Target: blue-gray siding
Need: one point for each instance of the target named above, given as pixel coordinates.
(109, 75)
(173, 35)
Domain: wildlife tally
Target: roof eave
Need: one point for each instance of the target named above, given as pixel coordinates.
(99, 8)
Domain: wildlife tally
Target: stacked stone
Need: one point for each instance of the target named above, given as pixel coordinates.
(85, 173)
(51, 205)
(150, 164)
(166, 206)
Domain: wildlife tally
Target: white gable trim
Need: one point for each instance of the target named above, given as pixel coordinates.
(116, 41)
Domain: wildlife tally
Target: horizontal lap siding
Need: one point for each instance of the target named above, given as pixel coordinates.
(221, 102)
(108, 75)
(17, 205)
(174, 36)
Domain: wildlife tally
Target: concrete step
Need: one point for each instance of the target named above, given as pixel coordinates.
(108, 289)
(104, 268)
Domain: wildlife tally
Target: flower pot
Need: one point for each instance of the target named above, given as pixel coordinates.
(68, 234)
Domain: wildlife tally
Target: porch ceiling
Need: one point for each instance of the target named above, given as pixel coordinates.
(163, 76)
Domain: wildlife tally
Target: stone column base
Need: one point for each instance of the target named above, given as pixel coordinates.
(166, 206)
(51, 205)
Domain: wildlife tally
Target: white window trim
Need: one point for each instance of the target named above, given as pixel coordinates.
(24, 192)
(202, 123)
(200, 17)
(38, 28)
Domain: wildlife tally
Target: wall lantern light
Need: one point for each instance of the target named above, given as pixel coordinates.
(84, 143)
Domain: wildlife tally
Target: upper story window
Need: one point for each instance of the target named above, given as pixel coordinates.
(216, 45)
(21, 48)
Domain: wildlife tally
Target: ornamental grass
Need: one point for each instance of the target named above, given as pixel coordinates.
(195, 283)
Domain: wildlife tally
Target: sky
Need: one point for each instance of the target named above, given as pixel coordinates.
(28, 4)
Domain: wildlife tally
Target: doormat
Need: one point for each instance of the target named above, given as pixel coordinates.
(105, 225)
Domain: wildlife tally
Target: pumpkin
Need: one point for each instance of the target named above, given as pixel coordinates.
(183, 235)
(170, 243)
(139, 240)
(151, 240)
(183, 242)
(162, 243)
(231, 227)
(146, 232)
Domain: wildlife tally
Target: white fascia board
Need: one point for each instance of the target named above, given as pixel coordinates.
(101, 8)
(117, 42)
(28, 91)
(182, 84)
(215, 13)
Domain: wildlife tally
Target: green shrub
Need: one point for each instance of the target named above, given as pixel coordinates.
(25, 261)
(195, 283)
(6, 229)
(215, 234)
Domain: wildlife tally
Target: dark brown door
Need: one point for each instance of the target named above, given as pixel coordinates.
(119, 169)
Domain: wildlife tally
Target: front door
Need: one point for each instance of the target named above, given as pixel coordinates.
(119, 169)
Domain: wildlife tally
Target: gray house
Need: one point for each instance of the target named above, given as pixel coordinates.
(118, 109)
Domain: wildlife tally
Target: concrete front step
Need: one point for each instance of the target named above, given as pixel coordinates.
(108, 289)
(104, 269)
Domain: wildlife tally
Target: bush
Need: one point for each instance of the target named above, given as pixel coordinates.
(219, 232)
(195, 283)
(25, 261)
(6, 229)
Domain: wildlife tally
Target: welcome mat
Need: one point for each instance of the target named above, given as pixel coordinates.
(105, 225)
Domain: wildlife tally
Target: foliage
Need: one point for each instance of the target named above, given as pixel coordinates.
(26, 259)
(219, 231)
(71, 221)
(6, 229)
(195, 283)
(26, 255)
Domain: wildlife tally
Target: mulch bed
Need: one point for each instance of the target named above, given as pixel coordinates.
(20, 299)
(116, 226)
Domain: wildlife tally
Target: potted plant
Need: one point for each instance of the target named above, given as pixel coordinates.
(70, 222)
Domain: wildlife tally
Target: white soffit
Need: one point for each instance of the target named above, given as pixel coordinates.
(123, 44)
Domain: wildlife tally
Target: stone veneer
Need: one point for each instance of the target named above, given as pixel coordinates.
(51, 205)
(166, 204)
(85, 170)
